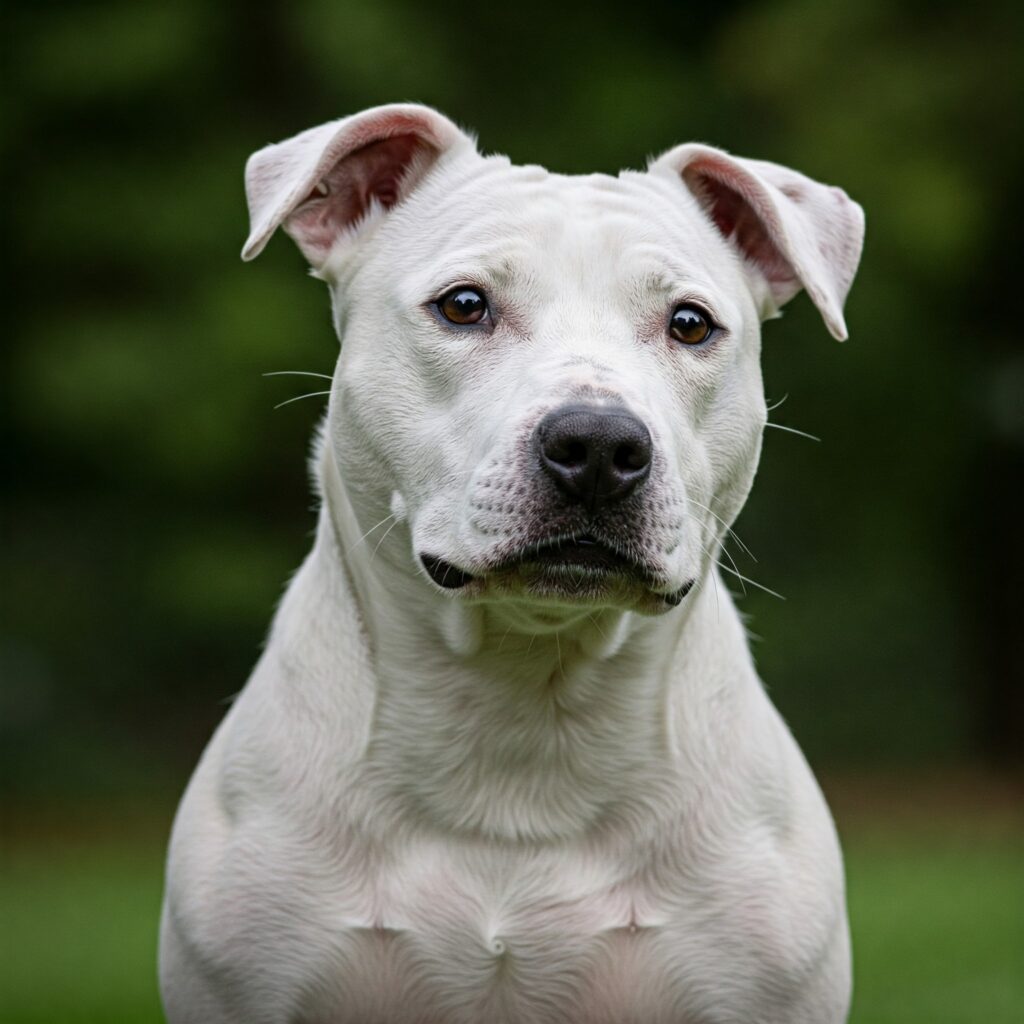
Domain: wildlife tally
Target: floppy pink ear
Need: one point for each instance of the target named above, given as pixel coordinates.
(796, 232)
(323, 181)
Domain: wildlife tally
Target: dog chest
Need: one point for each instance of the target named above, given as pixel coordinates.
(530, 937)
(467, 936)
(617, 976)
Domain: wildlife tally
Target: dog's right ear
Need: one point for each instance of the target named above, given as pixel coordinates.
(324, 181)
(795, 232)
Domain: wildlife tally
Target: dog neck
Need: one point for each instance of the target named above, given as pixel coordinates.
(487, 728)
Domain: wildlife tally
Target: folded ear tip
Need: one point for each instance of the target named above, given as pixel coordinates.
(837, 328)
(254, 245)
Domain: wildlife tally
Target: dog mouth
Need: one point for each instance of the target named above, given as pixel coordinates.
(578, 566)
(571, 553)
(444, 574)
(575, 553)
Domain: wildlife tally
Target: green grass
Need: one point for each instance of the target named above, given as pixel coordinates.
(79, 923)
(938, 928)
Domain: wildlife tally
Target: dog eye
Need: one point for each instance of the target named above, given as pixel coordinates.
(690, 325)
(463, 306)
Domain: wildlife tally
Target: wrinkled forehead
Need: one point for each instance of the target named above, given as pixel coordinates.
(488, 221)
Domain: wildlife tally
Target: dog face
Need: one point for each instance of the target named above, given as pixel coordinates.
(507, 305)
(554, 380)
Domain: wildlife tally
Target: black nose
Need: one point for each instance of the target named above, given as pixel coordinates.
(594, 455)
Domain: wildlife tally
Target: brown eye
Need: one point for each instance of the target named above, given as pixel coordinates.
(463, 306)
(690, 326)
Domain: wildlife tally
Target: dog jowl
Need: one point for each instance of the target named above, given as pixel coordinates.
(505, 757)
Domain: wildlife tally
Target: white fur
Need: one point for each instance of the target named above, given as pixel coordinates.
(427, 807)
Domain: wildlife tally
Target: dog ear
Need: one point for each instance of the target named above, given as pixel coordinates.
(796, 232)
(325, 180)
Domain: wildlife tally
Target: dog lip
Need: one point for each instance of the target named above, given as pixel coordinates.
(444, 574)
(676, 596)
(581, 551)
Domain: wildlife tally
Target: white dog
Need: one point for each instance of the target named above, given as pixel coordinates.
(506, 757)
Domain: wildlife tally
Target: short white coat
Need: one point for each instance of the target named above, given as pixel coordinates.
(485, 805)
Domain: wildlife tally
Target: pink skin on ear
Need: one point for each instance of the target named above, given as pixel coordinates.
(321, 182)
(738, 222)
(796, 232)
(342, 198)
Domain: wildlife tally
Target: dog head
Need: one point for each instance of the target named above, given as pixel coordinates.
(552, 381)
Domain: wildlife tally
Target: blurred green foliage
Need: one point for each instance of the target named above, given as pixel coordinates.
(154, 503)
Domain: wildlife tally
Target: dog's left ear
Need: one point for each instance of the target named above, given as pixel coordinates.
(324, 181)
(794, 231)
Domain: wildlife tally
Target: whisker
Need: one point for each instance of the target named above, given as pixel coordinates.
(735, 568)
(383, 538)
(774, 406)
(714, 579)
(298, 398)
(753, 583)
(356, 544)
(728, 529)
(297, 373)
(792, 430)
(504, 638)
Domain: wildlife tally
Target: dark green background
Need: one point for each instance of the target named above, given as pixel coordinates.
(155, 502)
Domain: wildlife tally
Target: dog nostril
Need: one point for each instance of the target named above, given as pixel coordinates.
(568, 452)
(575, 454)
(628, 456)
